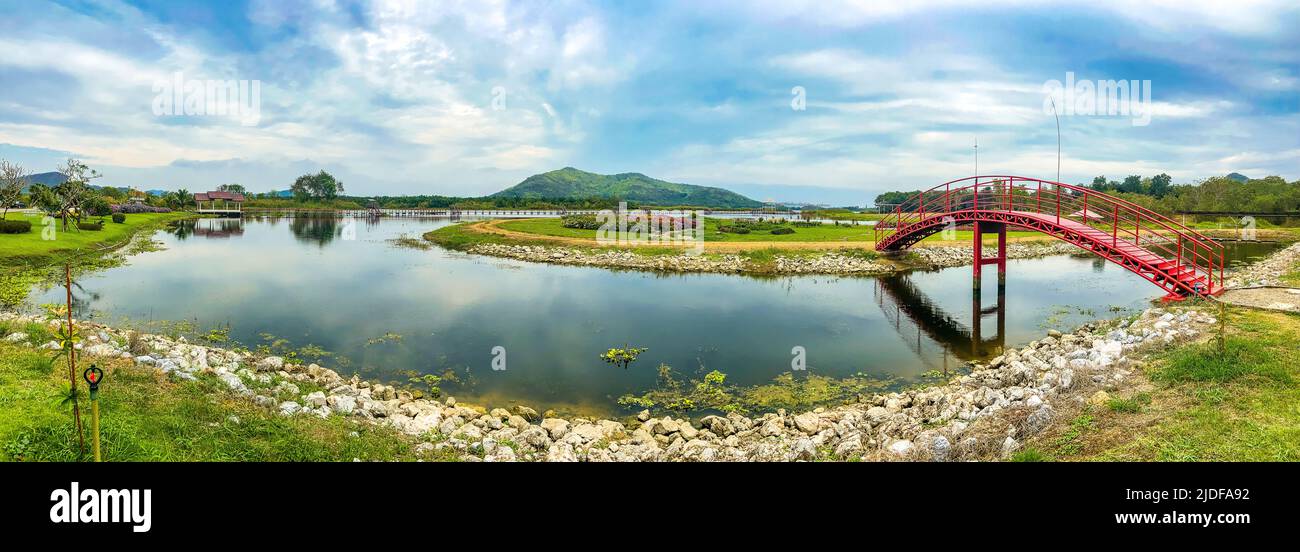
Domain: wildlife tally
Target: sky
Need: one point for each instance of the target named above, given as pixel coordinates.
(829, 101)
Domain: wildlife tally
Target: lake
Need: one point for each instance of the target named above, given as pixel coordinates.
(340, 292)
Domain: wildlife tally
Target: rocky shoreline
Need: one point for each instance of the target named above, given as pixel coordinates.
(1267, 272)
(986, 414)
(830, 262)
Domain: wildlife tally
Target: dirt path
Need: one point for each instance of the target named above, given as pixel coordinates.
(493, 227)
(1271, 298)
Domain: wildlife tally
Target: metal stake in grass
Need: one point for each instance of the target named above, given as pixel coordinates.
(1223, 328)
(94, 376)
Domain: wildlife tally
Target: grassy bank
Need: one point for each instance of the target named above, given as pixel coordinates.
(31, 248)
(146, 416)
(818, 233)
(29, 259)
(1198, 405)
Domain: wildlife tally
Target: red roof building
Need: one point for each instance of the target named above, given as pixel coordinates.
(219, 202)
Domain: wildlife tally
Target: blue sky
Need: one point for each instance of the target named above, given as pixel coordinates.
(398, 97)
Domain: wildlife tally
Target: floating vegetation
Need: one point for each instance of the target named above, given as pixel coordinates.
(388, 337)
(411, 243)
(712, 392)
(622, 357)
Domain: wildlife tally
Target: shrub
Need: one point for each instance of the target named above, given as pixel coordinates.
(119, 218)
(92, 226)
(132, 208)
(98, 206)
(15, 226)
(581, 222)
(733, 229)
(782, 231)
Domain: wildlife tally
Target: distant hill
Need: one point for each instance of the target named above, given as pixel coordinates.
(1238, 177)
(571, 183)
(46, 178)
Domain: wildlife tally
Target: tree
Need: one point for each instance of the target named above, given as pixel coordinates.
(1100, 183)
(12, 180)
(233, 188)
(71, 193)
(1160, 185)
(1132, 184)
(179, 199)
(319, 186)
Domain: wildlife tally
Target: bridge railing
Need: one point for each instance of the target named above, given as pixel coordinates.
(1125, 221)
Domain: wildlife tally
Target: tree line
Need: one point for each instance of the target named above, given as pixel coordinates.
(1158, 193)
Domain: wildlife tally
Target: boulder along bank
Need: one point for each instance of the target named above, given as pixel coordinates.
(985, 414)
(830, 262)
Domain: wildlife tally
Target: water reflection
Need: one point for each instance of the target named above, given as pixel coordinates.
(211, 228)
(316, 230)
(915, 315)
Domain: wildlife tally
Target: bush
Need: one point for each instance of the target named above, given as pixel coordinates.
(92, 226)
(733, 229)
(132, 208)
(581, 222)
(15, 226)
(98, 206)
(119, 218)
(782, 231)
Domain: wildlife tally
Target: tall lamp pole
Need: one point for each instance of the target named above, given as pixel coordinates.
(977, 163)
(1058, 139)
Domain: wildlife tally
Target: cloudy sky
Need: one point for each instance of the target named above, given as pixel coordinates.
(466, 98)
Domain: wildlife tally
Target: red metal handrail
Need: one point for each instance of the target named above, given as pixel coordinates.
(1164, 238)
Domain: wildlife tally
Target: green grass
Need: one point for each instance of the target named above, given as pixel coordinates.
(1031, 455)
(822, 233)
(1240, 406)
(144, 416)
(19, 250)
(1130, 405)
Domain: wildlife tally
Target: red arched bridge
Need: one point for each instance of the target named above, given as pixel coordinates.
(1180, 260)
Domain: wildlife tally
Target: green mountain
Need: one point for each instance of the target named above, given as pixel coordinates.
(636, 188)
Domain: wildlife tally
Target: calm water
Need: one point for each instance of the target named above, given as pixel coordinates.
(373, 307)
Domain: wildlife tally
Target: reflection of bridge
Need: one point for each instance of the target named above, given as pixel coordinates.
(914, 315)
(1178, 259)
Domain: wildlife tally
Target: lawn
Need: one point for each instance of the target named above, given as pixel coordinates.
(1203, 406)
(822, 233)
(145, 416)
(19, 250)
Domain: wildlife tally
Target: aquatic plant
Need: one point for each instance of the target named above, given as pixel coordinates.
(622, 357)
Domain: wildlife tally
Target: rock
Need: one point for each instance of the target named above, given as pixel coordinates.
(807, 422)
(234, 383)
(1038, 420)
(940, 449)
(527, 413)
(1053, 333)
(1099, 398)
(289, 408)
(270, 364)
(343, 404)
(15, 337)
(804, 449)
(901, 447)
(557, 428)
(643, 415)
(1009, 447)
(315, 398)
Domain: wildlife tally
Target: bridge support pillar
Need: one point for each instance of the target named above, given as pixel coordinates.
(982, 228)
